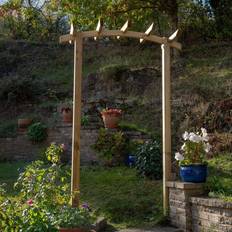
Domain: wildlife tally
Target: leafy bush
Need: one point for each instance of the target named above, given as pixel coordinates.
(69, 217)
(111, 147)
(37, 132)
(149, 160)
(44, 192)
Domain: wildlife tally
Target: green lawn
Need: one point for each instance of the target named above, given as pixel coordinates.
(117, 193)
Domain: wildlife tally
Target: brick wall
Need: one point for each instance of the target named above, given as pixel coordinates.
(21, 148)
(192, 212)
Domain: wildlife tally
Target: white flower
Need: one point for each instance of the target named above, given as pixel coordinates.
(195, 138)
(207, 147)
(183, 147)
(185, 135)
(205, 136)
(178, 156)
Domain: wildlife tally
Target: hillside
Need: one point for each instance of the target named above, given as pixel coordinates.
(36, 79)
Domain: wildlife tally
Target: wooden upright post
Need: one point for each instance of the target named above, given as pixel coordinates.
(75, 185)
(166, 109)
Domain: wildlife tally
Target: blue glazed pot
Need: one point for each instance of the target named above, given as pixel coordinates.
(195, 173)
(130, 160)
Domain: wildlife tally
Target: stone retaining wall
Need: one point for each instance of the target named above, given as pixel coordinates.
(21, 148)
(192, 212)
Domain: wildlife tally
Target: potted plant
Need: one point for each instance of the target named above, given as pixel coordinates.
(67, 112)
(69, 219)
(111, 117)
(24, 122)
(193, 166)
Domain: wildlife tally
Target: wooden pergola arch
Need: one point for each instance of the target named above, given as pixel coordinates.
(166, 44)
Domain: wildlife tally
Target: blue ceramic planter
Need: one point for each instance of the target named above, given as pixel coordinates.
(195, 173)
(130, 160)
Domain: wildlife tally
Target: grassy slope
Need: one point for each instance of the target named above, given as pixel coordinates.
(117, 193)
(220, 177)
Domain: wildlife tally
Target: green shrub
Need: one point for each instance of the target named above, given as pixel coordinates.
(42, 202)
(37, 132)
(111, 146)
(149, 160)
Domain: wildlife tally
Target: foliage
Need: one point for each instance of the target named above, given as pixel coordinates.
(44, 193)
(32, 20)
(68, 217)
(17, 89)
(84, 120)
(115, 12)
(117, 193)
(37, 132)
(221, 11)
(132, 127)
(194, 148)
(8, 129)
(149, 160)
(111, 146)
(219, 178)
(54, 152)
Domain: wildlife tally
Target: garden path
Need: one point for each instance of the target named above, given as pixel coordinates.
(156, 229)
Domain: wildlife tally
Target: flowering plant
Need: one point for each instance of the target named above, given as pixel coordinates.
(194, 149)
(111, 111)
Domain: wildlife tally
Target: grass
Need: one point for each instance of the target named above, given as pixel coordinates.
(117, 193)
(9, 173)
(219, 182)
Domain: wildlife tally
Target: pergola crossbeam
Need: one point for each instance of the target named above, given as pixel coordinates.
(115, 33)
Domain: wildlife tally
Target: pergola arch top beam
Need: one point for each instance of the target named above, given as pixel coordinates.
(115, 33)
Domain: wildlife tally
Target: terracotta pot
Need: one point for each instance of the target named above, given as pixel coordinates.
(111, 120)
(23, 123)
(71, 230)
(67, 115)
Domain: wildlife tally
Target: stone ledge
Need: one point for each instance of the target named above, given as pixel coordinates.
(184, 185)
(211, 202)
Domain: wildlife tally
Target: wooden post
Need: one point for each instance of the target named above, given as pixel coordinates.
(75, 185)
(166, 109)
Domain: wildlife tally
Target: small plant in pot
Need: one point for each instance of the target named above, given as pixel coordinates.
(24, 121)
(111, 117)
(67, 113)
(192, 162)
(69, 219)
